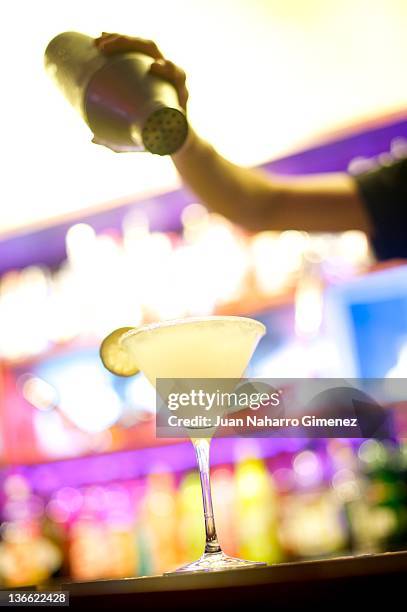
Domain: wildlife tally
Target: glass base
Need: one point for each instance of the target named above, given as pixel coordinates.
(217, 562)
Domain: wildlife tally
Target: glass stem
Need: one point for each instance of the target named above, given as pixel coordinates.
(202, 454)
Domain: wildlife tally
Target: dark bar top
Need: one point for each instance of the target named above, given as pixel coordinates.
(365, 580)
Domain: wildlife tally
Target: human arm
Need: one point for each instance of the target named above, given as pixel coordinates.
(252, 198)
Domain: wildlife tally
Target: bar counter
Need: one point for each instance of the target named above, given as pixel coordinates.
(367, 580)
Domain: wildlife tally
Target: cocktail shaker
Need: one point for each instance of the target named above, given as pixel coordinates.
(126, 107)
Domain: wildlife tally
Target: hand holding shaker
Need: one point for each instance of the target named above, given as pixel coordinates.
(126, 107)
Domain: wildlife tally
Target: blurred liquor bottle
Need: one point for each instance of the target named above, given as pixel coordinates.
(378, 519)
(256, 512)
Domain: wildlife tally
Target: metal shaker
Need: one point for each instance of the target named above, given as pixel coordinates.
(126, 108)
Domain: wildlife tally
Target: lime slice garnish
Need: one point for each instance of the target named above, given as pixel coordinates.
(115, 357)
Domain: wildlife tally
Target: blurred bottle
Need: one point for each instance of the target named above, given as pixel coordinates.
(256, 503)
(126, 108)
(159, 521)
(377, 513)
(384, 465)
(191, 533)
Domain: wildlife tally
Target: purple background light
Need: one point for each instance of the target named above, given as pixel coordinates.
(129, 465)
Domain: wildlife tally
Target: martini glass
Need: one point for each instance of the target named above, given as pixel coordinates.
(209, 347)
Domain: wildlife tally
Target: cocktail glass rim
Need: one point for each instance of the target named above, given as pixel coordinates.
(184, 321)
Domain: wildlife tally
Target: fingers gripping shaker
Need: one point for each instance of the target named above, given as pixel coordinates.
(126, 108)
